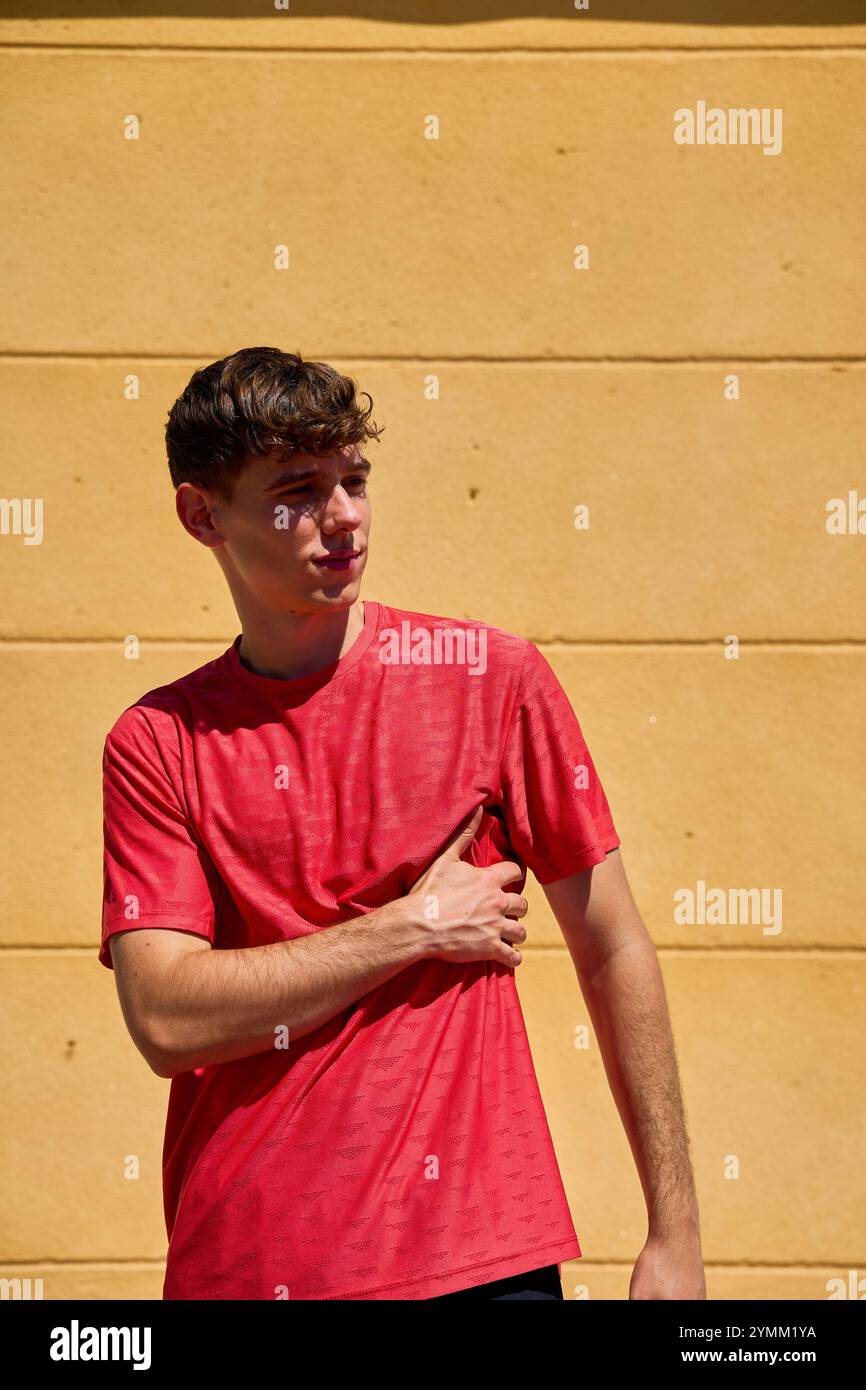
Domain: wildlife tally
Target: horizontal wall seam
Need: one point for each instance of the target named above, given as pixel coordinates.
(158, 1265)
(393, 51)
(847, 952)
(413, 360)
(552, 644)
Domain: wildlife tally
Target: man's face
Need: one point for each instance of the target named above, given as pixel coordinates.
(285, 518)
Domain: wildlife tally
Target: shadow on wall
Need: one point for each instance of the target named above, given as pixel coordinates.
(455, 12)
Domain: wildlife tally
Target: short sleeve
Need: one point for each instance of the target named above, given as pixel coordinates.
(155, 874)
(556, 812)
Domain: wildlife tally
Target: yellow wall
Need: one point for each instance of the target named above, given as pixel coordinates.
(557, 387)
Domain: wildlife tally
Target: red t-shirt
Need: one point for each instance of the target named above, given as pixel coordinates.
(401, 1150)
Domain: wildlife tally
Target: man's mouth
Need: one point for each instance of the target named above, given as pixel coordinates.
(338, 559)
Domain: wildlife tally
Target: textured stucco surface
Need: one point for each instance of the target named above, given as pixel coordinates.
(453, 258)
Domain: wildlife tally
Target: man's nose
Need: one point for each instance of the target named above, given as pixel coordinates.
(341, 509)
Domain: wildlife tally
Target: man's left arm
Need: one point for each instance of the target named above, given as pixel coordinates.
(621, 982)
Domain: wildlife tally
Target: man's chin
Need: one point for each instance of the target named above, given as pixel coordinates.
(336, 595)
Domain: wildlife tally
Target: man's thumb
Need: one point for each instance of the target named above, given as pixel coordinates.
(462, 836)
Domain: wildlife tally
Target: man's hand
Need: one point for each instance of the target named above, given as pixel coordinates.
(473, 913)
(669, 1266)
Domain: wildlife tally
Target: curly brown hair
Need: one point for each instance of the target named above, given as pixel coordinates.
(258, 403)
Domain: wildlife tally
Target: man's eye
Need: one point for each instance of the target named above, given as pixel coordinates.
(359, 482)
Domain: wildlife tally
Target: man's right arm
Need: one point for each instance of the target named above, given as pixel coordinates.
(187, 1005)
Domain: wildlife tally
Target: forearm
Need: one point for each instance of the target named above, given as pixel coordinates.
(220, 1005)
(626, 1000)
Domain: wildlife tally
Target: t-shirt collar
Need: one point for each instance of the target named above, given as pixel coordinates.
(275, 685)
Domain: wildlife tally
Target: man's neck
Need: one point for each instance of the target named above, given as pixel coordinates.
(290, 646)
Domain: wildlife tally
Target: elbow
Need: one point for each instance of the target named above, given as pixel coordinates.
(167, 1065)
(163, 1066)
(167, 1062)
(160, 1053)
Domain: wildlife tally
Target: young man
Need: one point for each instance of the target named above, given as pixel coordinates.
(315, 849)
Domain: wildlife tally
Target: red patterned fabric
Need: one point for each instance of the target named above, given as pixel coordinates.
(400, 1151)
